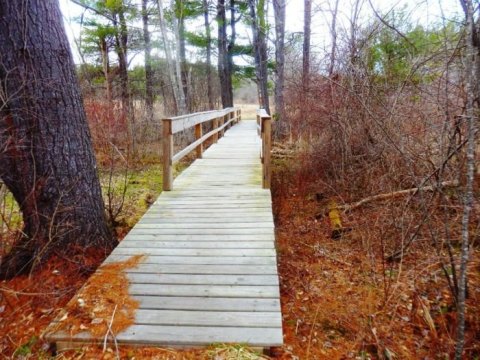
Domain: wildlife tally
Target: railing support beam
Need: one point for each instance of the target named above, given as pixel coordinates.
(167, 155)
(264, 123)
(222, 120)
(198, 135)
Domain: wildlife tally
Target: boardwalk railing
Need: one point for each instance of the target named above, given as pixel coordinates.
(222, 119)
(264, 127)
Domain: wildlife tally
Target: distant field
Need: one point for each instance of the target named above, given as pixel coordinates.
(249, 111)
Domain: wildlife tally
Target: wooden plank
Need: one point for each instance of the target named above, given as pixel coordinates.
(174, 244)
(193, 231)
(248, 207)
(196, 260)
(183, 122)
(205, 290)
(156, 219)
(196, 252)
(201, 237)
(205, 269)
(218, 201)
(208, 227)
(210, 318)
(187, 335)
(208, 303)
(194, 279)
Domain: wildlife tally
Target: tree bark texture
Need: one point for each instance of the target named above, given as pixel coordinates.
(148, 63)
(471, 58)
(46, 157)
(223, 67)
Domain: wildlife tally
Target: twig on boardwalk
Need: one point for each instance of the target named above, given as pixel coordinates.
(110, 331)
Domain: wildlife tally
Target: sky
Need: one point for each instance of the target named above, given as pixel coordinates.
(424, 12)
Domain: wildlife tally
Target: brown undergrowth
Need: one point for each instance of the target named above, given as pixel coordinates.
(28, 304)
(342, 300)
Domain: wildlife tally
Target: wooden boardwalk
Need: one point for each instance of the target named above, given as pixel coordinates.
(211, 271)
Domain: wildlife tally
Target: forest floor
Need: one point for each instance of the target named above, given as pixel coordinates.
(338, 300)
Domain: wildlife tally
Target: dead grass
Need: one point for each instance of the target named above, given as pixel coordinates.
(249, 111)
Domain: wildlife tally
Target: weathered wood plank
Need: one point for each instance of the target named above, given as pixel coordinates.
(196, 260)
(161, 219)
(197, 252)
(194, 279)
(193, 231)
(188, 335)
(210, 318)
(174, 244)
(202, 237)
(205, 269)
(208, 303)
(243, 291)
(208, 227)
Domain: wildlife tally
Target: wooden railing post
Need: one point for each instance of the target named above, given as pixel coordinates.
(267, 138)
(215, 126)
(264, 126)
(198, 135)
(167, 155)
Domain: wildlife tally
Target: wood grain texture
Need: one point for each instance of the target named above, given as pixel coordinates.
(210, 271)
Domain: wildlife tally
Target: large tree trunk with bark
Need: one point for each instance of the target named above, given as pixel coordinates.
(223, 67)
(46, 157)
(148, 63)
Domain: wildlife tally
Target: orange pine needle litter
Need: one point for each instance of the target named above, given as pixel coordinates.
(103, 303)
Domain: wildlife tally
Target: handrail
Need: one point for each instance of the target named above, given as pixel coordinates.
(264, 128)
(173, 125)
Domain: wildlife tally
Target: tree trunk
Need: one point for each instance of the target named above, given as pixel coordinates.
(177, 94)
(182, 52)
(178, 63)
(279, 12)
(472, 53)
(148, 64)
(231, 46)
(106, 67)
(257, 14)
(307, 19)
(47, 160)
(333, 31)
(122, 48)
(223, 67)
(211, 103)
